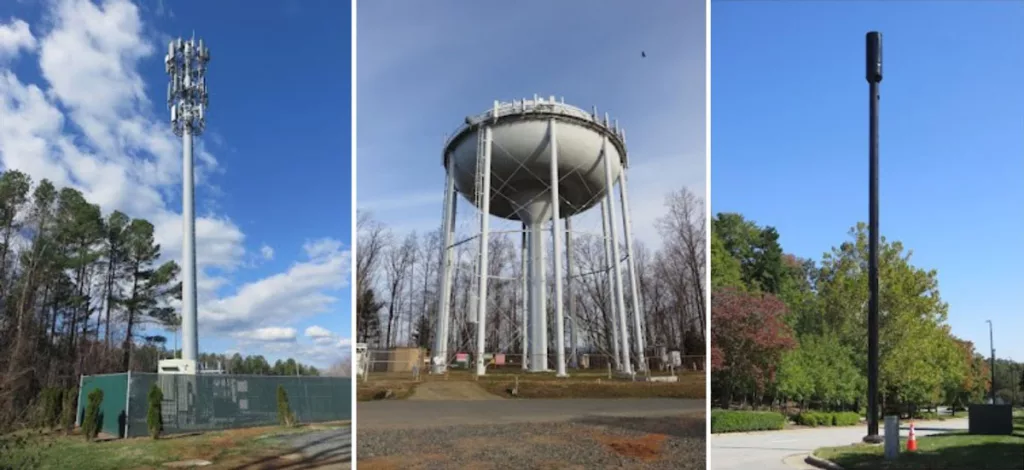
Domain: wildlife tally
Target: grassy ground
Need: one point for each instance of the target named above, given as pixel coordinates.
(944, 451)
(544, 385)
(252, 448)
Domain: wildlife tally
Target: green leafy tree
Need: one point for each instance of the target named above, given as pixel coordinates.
(115, 250)
(917, 355)
(756, 249)
(151, 287)
(725, 269)
(14, 190)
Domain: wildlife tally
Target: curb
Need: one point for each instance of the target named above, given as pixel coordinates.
(821, 463)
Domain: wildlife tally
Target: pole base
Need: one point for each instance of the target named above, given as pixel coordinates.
(562, 376)
(873, 439)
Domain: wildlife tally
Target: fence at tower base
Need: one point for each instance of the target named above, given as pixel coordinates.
(414, 364)
(210, 402)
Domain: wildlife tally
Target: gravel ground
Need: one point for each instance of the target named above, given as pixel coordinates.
(676, 443)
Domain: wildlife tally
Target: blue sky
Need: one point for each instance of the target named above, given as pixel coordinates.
(422, 67)
(273, 192)
(789, 138)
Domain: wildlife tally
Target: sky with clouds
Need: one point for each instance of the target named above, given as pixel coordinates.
(424, 66)
(951, 146)
(82, 100)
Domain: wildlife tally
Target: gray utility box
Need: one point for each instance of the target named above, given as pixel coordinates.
(992, 420)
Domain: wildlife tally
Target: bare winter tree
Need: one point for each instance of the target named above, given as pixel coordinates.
(397, 268)
(342, 368)
(670, 280)
(682, 264)
(371, 239)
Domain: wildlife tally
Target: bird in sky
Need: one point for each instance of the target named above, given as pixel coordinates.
(643, 54)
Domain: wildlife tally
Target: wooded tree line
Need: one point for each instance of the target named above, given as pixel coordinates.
(77, 290)
(791, 330)
(255, 365)
(397, 281)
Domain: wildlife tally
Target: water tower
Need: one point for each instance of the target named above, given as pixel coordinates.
(536, 161)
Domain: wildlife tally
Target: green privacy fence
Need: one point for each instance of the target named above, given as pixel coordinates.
(208, 402)
(115, 395)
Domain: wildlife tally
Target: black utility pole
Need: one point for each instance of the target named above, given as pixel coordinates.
(992, 361)
(874, 77)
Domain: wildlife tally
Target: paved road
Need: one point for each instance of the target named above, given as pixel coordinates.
(782, 450)
(419, 414)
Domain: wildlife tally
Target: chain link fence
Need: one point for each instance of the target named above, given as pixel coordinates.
(208, 402)
(414, 364)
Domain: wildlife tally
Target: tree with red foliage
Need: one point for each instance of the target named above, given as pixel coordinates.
(748, 338)
(976, 378)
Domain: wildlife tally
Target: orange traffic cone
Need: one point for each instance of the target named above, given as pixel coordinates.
(912, 441)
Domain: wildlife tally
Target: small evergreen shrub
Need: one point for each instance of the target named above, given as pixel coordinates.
(54, 406)
(48, 407)
(69, 409)
(284, 409)
(154, 414)
(91, 424)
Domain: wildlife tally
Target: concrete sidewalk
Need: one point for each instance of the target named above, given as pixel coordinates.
(785, 450)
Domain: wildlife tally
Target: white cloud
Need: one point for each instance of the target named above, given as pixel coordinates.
(14, 37)
(317, 331)
(270, 333)
(323, 337)
(309, 354)
(126, 159)
(300, 292)
(267, 252)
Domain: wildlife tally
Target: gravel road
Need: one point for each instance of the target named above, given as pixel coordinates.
(408, 414)
(578, 434)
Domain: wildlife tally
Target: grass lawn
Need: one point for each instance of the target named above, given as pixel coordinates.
(546, 385)
(253, 448)
(944, 451)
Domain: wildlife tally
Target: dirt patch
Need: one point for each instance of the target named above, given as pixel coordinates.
(399, 390)
(646, 448)
(597, 388)
(451, 390)
(550, 446)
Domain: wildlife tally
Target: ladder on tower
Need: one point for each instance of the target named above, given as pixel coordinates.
(482, 172)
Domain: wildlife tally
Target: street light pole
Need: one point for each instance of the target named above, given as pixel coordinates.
(874, 77)
(992, 362)
(187, 99)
